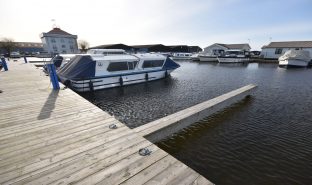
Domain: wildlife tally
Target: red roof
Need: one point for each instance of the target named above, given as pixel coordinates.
(58, 31)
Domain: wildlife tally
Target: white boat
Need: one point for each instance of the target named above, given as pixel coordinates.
(207, 58)
(233, 56)
(181, 56)
(294, 58)
(15, 54)
(195, 57)
(95, 71)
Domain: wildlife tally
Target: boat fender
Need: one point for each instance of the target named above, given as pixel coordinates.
(166, 74)
(120, 81)
(91, 86)
(67, 83)
(146, 76)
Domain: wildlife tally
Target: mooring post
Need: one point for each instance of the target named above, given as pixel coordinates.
(53, 76)
(4, 64)
(25, 59)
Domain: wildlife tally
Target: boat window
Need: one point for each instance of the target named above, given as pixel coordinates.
(132, 65)
(152, 63)
(117, 66)
(278, 51)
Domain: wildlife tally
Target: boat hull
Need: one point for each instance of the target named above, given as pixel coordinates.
(208, 59)
(293, 63)
(232, 59)
(106, 82)
(181, 58)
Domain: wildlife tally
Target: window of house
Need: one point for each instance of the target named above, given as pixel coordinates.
(53, 40)
(71, 47)
(54, 47)
(62, 40)
(63, 46)
(297, 49)
(278, 51)
(152, 63)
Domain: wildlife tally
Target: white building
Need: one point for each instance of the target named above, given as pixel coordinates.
(59, 41)
(276, 49)
(219, 49)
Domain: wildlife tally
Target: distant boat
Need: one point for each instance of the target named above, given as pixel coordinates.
(207, 58)
(15, 55)
(233, 56)
(90, 72)
(195, 57)
(181, 56)
(294, 58)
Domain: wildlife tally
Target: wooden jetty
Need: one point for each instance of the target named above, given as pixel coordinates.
(164, 127)
(57, 137)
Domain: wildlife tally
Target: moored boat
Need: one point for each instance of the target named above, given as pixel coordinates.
(181, 56)
(294, 58)
(233, 56)
(95, 71)
(207, 58)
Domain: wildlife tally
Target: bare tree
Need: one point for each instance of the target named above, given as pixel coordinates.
(7, 44)
(83, 45)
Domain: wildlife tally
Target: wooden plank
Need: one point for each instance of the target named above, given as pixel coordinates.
(168, 174)
(188, 176)
(202, 181)
(151, 171)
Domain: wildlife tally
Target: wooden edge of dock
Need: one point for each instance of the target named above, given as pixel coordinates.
(164, 127)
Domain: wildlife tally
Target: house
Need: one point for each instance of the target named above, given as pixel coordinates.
(151, 48)
(194, 49)
(276, 49)
(127, 48)
(179, 49)
(59, 41)
(219, 49)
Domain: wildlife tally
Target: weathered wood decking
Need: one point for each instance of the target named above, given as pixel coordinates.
(57, 137)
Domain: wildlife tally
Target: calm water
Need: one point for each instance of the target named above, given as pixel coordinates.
(265, 139)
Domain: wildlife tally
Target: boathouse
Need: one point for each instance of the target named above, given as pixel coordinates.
(127, 48)
(151, 48)
(276, 49)
(219, 49)
(59, 41)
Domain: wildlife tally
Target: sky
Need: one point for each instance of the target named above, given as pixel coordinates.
(169, 22)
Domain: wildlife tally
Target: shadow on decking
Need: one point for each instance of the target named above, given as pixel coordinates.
(49, 105)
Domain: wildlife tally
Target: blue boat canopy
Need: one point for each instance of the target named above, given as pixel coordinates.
(80, 67)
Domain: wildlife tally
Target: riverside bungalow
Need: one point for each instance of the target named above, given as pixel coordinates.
(219, 49)
(275, 49)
